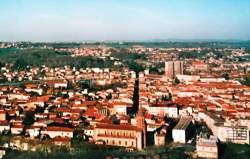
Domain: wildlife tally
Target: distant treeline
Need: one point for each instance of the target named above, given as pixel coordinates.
(155, 43)
(37, 57)
(130, 59)
(123, 54)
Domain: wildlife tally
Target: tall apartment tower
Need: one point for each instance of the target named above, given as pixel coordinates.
(173, 68)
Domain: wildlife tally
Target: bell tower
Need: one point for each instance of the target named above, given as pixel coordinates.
(140, 119)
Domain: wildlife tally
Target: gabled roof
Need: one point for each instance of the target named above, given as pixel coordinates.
(57, 128)
(117, 127)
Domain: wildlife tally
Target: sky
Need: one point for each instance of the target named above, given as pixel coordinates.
(123, 20)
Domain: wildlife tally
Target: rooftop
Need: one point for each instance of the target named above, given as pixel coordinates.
(183, 123)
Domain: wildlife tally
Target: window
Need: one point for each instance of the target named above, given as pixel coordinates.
(119, 142)
(126, 143)
(113, 142)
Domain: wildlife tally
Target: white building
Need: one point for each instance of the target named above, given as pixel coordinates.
(16, 129)
(54, 131)
(188, 78)
(36, 90)
(181, 131)
(33, 131)
(171, 110)
(4, 126)
(233, 131)
(60, 84)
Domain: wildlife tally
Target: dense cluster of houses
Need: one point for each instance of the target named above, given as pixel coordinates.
(59, 108)
(54, 103)
(103, 76)
(101, 52)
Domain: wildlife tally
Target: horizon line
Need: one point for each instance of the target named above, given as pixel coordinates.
(129, 41)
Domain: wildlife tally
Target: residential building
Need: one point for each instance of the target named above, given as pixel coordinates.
(173, 68)
(207, 147)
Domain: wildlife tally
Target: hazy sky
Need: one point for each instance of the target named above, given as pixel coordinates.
(81, 20)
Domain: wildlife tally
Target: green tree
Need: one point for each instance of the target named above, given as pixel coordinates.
(109, 96)
(1, 64)
(226, 76)
(20, 64)
(176, 81)
(29, 118)
(246, 81)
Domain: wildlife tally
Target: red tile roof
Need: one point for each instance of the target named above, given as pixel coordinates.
(117, 127)
(57, 128)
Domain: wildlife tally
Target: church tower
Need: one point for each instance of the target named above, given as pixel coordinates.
(140, 119)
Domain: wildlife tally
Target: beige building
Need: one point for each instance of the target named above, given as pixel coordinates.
(2, 115)
(207, 147)
(119, 135)
(125, 135)
(160, 139)
(2, 152)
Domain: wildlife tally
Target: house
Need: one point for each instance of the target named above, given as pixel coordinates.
(160, 136)
(33, 131)
(162, 109)
(188, 78)
(120, 107)
(160, 139)
(89, 131)
(2, 152)
(55, 131)
(60, 85)
(207, 147)
(4, 126)
(62, 141)
(17, 129)
(35, 90)
(199, 65)
(2, 115)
